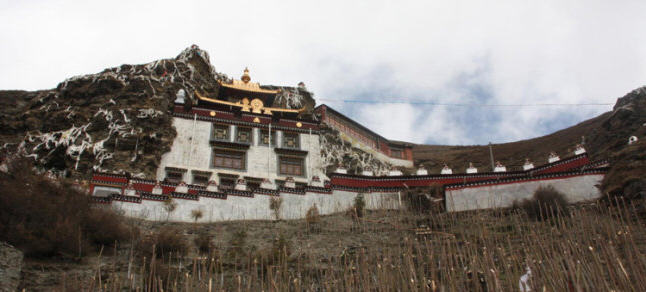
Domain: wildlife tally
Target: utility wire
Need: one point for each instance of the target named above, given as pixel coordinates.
(461, 104)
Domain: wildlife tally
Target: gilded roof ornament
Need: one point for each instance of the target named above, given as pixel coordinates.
(245, 84)
(245, 76)
(255, 106)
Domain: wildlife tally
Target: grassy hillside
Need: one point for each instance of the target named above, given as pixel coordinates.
(510, 154)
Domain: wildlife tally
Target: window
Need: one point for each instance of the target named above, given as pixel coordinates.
(221, 132)
(291, 166)
(174, 176)
(396, 153)
(201, 179)
(229, 159)
(290, 140)
(243, 135)
(264, 138)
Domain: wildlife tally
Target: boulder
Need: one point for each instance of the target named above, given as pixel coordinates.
(10, 267)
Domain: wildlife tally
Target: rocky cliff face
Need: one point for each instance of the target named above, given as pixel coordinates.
(114, 120)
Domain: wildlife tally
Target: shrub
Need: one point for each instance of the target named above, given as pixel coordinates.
(274, 204)
(169, 206)
(545, 203)
(105, 227)
(359, 205)
(196, 214)
(312, 217)
(238, 242)
(164, 241)
(420, 199)
(203, 242)
(46, 218)
(280, 248)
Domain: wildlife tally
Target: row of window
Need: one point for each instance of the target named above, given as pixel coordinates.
(287, 165)
(245, 136)
(356, 133)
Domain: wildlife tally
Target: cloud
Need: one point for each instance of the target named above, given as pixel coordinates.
(477, 52)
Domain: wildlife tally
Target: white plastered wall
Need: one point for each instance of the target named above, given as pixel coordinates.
(191, 151)
(256, 208)
(576, 189)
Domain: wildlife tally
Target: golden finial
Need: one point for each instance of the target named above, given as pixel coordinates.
(245, 76)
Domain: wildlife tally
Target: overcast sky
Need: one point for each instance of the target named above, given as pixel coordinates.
(448, 52)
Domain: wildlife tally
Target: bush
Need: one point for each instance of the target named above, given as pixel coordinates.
(312, 217)
(545, 203)
(164, 241)
(359, 205)
(105, 227)
(46, 218)
(203, 243)
(280, 248)
(238, 242)
(274, 204)
(196, 214)
(420, 199)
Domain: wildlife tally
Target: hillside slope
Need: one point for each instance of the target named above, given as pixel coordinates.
(603, 135)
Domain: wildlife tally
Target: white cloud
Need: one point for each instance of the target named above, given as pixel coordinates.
(521, 52)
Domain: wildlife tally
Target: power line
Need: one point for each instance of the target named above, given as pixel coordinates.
(413, 102)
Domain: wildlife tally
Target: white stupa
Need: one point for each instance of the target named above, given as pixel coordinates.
(157, 189)
(446, 170)
(471, 168)
(212, 186)
(553, 157)
(316, 182)
(421, 170)
(579, 149)
(528, 164)
(266, 184)
(499, 167)
(182, 187)
(241, 185)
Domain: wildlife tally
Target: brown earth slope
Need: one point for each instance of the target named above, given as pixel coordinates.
(604, 135)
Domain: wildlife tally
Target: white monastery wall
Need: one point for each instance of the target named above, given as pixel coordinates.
(256, 208)
(377, 154)
(577, 189)
(192, 151)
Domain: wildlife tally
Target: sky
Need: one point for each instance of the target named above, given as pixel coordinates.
(424, 71)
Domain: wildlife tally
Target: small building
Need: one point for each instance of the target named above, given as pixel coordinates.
(394, 152)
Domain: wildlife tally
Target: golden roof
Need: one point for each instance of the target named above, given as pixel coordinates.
(255, 106)
(245, 84)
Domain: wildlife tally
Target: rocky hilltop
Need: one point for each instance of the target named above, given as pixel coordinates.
(117, 120)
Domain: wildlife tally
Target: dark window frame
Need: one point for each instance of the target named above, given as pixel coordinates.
(244, 129)
(221, 156)
(297, 140)
(227, 128)
(288, 169)
(261, 139)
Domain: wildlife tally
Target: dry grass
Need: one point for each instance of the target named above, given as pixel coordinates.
(46, 218)
(594, 247)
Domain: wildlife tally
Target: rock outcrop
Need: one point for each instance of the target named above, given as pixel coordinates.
(115, 120)
(10, 267)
